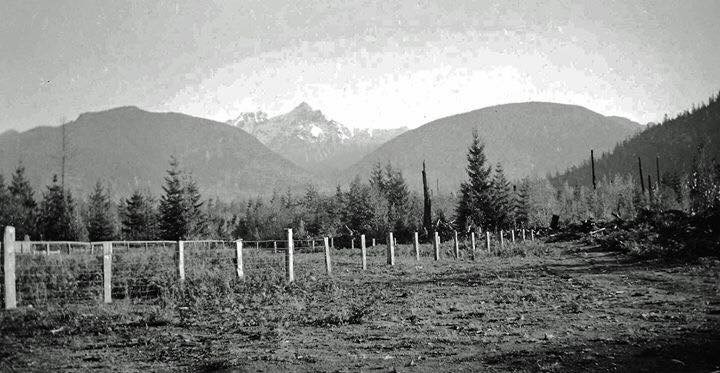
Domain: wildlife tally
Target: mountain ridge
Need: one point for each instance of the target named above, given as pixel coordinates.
(129, 148)
(528, 138)
(308, 138)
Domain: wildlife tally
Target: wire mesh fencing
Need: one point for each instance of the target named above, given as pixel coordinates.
(49, 273)
(142, 271)
(57, 273)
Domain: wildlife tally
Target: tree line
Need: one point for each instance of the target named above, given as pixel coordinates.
(373, 207)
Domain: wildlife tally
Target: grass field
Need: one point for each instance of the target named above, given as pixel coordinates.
(541, 307)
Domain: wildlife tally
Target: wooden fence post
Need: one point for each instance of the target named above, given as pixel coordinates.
(363, 251)
(472, 243)
(181, 260)
(9, 267)
(289, 257)
(107, 272)
(416, 245)
(274, 247)
(352, 243)
(457, 246)
(332, 242)
(513, 235)
(239, 259)
(487, 240)
(523, 234)
(391, 250)
(373, 243)
(328, 265)
(532, 235)
(436, 245)
(502, 239)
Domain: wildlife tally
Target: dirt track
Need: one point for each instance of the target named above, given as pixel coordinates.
(563, 308)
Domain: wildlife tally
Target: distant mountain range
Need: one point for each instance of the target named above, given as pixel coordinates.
(674, 141)
(533, 138)
(129, 148)
(312, 141)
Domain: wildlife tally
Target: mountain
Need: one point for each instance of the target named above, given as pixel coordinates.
(533, 138)
(674, 141)
(307, 138)
(130, 148)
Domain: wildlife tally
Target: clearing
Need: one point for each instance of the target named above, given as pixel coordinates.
(551, 307)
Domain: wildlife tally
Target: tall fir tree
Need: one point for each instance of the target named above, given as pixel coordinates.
(358, 211)
(195, 217)
(502, 199)
(23, 208)
(475, 205)
(173, 209)
(5, 204)
(139, 218)
(522, 203)
(100, 221)
(57, 218)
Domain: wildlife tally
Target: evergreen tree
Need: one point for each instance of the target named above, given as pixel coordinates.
(475, 203)
(522, 203)
(100, 225)
(358, 211)
(398, 197)
(23, 208)
(173, 209)
(57, 220)
(139, 218)
(195, 217)
(502, 200)
(5, 204)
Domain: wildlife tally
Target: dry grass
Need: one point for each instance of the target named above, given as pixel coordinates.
(535, 307)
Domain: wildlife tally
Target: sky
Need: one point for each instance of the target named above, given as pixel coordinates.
(377, 64)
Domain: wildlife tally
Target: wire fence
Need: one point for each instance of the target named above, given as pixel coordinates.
(59, 273)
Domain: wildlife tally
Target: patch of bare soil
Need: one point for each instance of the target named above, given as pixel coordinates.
(563, 308)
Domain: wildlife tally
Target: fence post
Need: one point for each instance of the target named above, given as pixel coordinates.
(532, 235)
(289, 259)
(373, 245)
(328, 266)
(436, 246)
(274, 247)
(107, 272)
(391, 250)
(416, 245)
(239, 259)
(457, 246)
(181, 260)
(332, 242)
(9, 267)
(363, 251)
(513, 235)
(502, 239)
(487, 235)
(472, 243)
(313, 245)
(523, 234)
(352, 244)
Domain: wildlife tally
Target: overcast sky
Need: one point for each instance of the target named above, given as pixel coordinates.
(363, 63)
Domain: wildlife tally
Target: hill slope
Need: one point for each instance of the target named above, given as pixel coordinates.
(675, 141)
(310, 140)
(533, 138)
(130, 148)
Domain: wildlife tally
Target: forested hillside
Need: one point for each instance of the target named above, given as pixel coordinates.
(675, 141)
